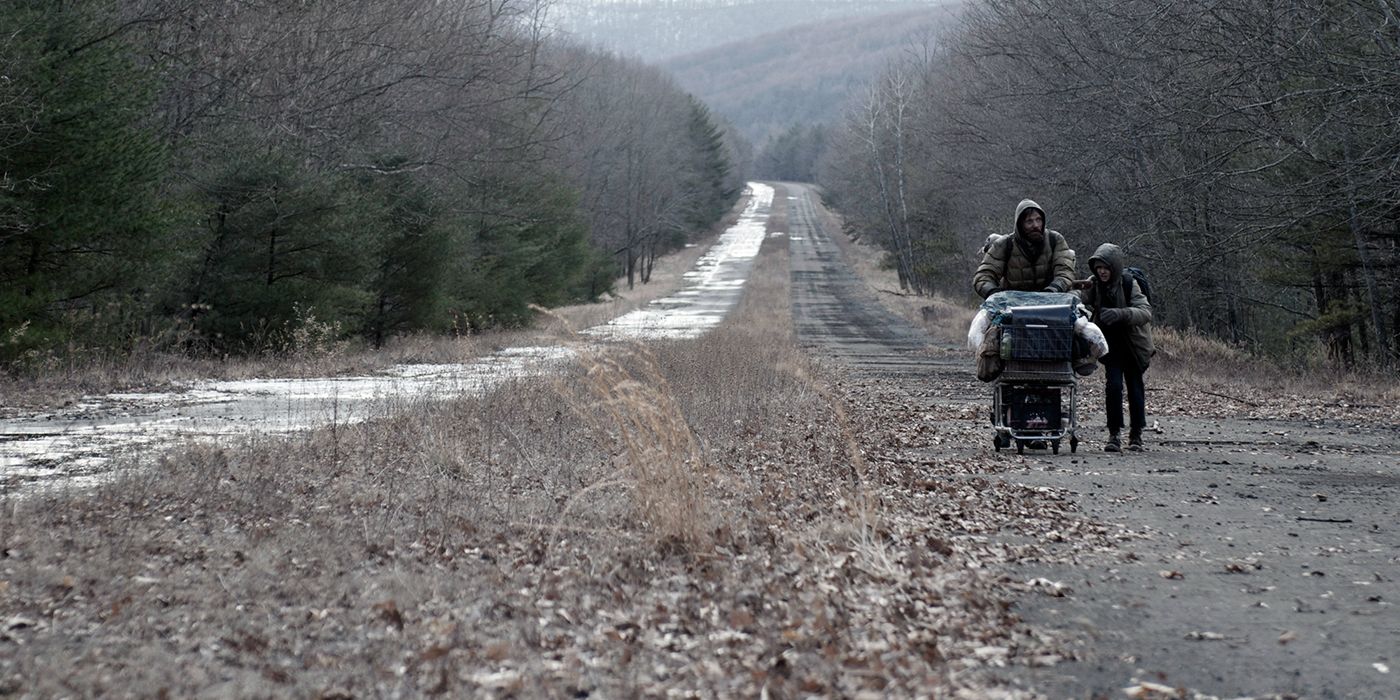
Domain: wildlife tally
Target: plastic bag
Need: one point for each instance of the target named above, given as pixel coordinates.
(978, 331)
(1098, 344)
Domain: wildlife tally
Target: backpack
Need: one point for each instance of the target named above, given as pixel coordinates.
(1135, 273)
(989, 362)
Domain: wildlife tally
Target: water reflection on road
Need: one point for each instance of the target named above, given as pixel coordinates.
(76, 444)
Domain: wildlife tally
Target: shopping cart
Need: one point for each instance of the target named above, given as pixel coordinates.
(1033, 399)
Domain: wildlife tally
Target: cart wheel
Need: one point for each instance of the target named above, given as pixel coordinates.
(1020, 447)
(1073, 444)
(996, 442)
(1055, 447)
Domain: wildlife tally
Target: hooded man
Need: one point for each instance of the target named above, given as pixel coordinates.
(1123, 313)
(1032, 259)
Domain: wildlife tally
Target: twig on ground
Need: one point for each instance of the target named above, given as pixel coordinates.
(1232, 398)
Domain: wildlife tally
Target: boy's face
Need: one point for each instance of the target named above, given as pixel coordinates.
(1103, 272)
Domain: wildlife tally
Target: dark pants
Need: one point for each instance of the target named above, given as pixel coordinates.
(1137, 399)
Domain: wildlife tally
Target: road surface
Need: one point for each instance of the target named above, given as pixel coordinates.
(1269, 562)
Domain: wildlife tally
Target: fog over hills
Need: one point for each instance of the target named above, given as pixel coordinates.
(802, 74)
(664, 29)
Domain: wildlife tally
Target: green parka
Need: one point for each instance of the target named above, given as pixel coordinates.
(1129, 340)
(1014, 264)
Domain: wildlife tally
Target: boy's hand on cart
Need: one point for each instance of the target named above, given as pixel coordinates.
(1108, 317)
(1081, 284)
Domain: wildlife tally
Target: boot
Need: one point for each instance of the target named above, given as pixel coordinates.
(1135, 440)
(1113, 445)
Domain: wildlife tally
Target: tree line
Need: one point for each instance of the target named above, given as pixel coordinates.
(216, 175)
(1242, 151)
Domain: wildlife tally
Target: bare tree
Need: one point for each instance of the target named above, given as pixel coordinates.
(1239, 149)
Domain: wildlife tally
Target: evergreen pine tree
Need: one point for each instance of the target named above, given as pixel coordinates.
(82, 224)
(412, 246)
(283, 245)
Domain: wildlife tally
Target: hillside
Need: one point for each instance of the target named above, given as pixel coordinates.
(663, 29)
(802, 74)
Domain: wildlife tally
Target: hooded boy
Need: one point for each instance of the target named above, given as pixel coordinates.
(1032, 259)
(1123, 313)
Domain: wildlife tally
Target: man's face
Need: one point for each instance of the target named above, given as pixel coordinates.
(1103, 272)
(1033, 226)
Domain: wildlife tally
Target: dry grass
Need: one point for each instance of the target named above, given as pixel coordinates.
(693, 520)
(494, 544)
(629, 399)
(1195, 375)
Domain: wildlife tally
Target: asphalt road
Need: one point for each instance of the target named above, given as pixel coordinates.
(1270, 558)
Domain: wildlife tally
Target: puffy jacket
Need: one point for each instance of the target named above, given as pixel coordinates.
(1013, 264)
(1130, 339)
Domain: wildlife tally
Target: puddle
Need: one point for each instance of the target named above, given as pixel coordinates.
(75, 446)
(711, 289)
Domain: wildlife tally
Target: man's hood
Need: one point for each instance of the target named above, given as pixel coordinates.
(1110, 255)
(1021, 210)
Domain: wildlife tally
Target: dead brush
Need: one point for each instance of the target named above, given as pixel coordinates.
(626, 397)
(1187, 352)
(1187, 361)
(944, 318)
(748, 389)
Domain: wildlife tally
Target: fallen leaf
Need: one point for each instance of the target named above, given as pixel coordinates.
(20, 622)
(1205, 636)
(1174, 575)
(1146, 690)
(1287, 637)
(740, 617)
(434, 653)
(389, 611)
(1050, 588)
(499, 680)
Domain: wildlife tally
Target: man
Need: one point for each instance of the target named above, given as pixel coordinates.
(1033, 259)
(1124, 314)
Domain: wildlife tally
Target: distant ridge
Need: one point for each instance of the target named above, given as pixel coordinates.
(663, 29)
(803, 74)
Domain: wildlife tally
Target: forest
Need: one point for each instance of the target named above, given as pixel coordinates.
(1243, 152)
(229, 176)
